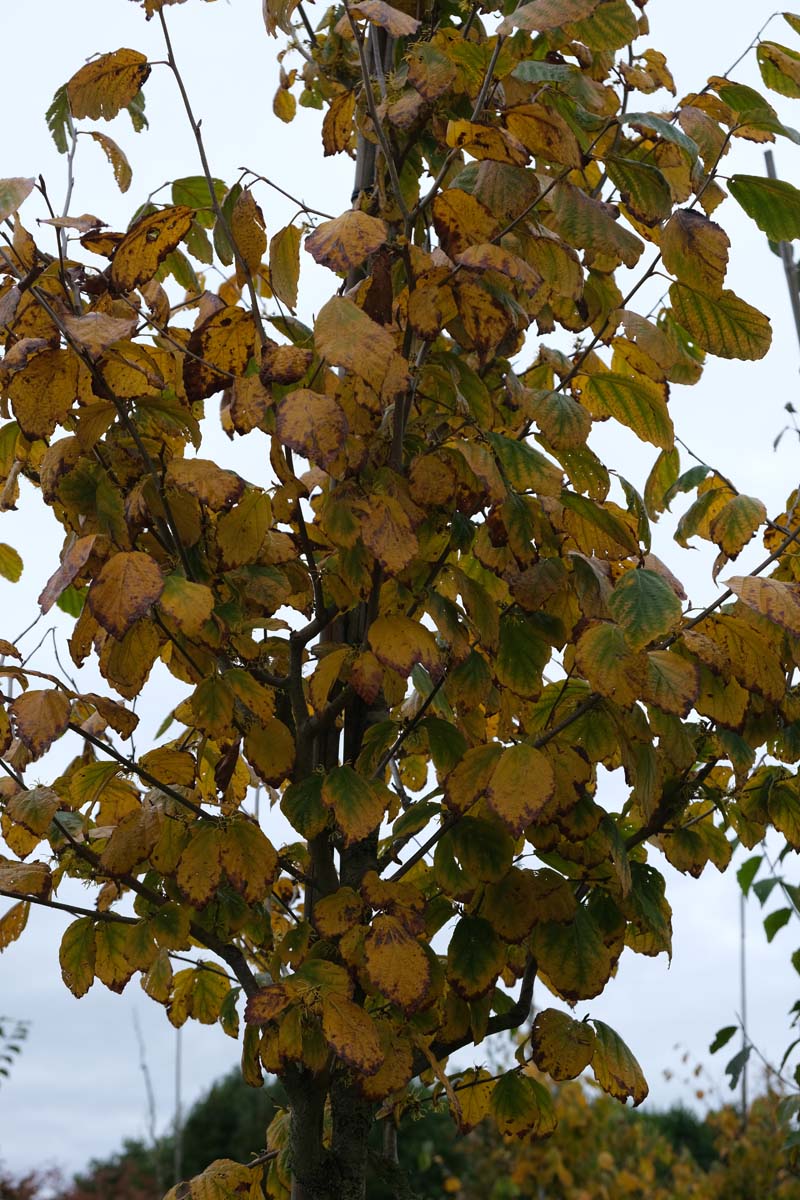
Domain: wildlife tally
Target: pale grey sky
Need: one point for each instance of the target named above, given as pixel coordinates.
(77, 1089)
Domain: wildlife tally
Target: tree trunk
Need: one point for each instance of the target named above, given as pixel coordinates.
(319, 1172)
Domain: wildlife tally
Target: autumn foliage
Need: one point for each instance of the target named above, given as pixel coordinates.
(436, 614)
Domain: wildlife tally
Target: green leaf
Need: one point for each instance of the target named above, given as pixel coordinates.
(526, 469)
(737, 1065)
(645, 606)
(10, 563)
(573, 956)
(772, 204)
(356, 805)
(58, 119)
(475, 957)
(521, 1105)
(194, 192)
(663, 129)
(77, 956)
(642, 188)
(775, 921)
(611, 26)
(302, 806)
(724, 325)
(722, 1037)
(747, 872)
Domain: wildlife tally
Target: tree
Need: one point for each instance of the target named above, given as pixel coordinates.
(436, 614)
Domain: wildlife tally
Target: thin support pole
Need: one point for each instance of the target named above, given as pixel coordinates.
(787, 258)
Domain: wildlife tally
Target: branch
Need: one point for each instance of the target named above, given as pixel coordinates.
(517, 1015)
(75, 910)
(135, 769)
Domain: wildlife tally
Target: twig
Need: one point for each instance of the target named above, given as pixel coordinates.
(224, 224)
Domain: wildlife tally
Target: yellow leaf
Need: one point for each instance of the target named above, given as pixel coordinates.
(486, 141)
(34, 809)
(606, 660)
(736, 523)
(337, 126)
(338, 912)
(147, 244)
(212, 708)
(210, 988)
(325, 676)
(724, 325)
(347, 241)
(132, 841)
(270, 751)
(107, 84)
(387, 532)
(267, 1004)
(615, 1068)
(284, 105)
(256, 698)
(127, 663)
(522, 1106)
(119, 163)
(77, 956)
(396, 964)
(200, 867)
(121, 951)
(397, 1067)
(25, 879)
(313, 424)
(284, 264)
(127, 586)
(249, 859)
(546, 134)
(486, 257)
(351, 1033)
(474, 1095)
(520, 786)
(560, 1045)
(12, 923)
(188, 604)
(247, 227)
(589, 224)
(40, 717)
(347, 337)
(696, 251)
(400, 643)
(223, 1180)
(461, 221)
(157, 982)
(43, 392)
(671, 683)
(778, 602)
(241, 532)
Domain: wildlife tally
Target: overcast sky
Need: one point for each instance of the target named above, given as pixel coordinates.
(77, 1089)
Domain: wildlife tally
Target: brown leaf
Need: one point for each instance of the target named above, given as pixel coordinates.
(313, 424)
(395, 22)
(40, 717)
(125, 589)
(73, 561)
